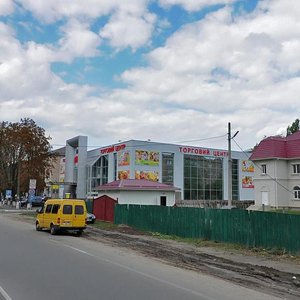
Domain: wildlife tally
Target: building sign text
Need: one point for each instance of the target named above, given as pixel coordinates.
(113, 148)
(203, 151)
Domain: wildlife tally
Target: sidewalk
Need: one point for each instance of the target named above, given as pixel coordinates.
(13, 209)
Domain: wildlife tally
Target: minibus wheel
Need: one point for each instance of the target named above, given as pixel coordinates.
(37, 226)
(52, 230)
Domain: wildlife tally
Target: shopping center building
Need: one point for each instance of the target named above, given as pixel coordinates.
(200, 173)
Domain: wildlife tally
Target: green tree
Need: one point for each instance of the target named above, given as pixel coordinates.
(25, 154)
(293, 128)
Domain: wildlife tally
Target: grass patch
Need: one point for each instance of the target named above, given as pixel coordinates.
(104, 225)
(275, 253)
(194, 241)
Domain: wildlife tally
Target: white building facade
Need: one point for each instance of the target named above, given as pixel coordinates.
(200, 173)
(277, 172)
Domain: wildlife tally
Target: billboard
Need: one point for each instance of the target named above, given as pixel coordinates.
(148, 175)
(123, 158)
(247, 182)
(247, 166)
(149, 158)
(124, 174)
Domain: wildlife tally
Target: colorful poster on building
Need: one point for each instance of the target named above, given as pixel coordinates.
(149, 158)
(148, 175)
(123, 158)
(62, 169)
(124, 174)
(247, 182)
(247, 166)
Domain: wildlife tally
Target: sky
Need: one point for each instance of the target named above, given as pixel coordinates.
(173, 71)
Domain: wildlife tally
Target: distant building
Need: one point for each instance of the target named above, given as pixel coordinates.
(200, 173)
(277, 171)
(55, 181)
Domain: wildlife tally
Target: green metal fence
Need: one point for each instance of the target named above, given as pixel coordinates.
(250, 228)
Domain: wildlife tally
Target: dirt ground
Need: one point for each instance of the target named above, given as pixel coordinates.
(271, 275)
(274, 275)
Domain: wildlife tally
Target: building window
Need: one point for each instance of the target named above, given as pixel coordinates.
(264, 169)
(168, 168)
(235, 179)
(203, 178)
(99, 172)
(297, 192)
(296, 169)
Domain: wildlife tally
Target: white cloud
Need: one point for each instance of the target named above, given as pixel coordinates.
(194, 5)
(208, 73)
(53, 10)
(78, 41)
(6, 7)
(243, 70)
(127, 30)
(130, 24)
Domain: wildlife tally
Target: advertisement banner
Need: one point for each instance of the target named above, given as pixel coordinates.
(149, 158)
(247, 166)
(62, 169)
(247, 182)
(123, 158)
(124, 174)
(148, 175)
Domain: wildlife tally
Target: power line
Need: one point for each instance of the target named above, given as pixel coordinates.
(198, 140)
(146, 142)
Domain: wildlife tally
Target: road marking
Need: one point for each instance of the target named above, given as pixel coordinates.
(78, 250)
(180, 287)
(4, 294)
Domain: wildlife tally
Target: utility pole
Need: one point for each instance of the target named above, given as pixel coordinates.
(229, 168)
(230, 165)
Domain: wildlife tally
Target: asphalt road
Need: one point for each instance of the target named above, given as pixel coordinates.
(35, 265)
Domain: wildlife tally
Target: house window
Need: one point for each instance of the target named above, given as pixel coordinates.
(297, 192)
(296, 169)
(264, 169)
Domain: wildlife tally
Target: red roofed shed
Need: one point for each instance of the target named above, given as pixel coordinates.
(104, 208)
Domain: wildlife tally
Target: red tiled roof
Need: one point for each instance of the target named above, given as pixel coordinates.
(136, 184)
(278, 147)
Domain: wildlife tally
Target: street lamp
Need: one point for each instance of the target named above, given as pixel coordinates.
(230, 165)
